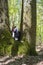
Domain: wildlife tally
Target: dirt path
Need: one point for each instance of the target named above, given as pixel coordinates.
(20, 60)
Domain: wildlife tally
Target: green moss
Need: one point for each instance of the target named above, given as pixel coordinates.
(23, 47)
(15, 48)
(1, 50)
(8, 49)
(6, 42)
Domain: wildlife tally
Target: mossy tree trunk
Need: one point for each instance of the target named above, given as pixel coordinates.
(29, 24)
(33, 27)
(4, 17)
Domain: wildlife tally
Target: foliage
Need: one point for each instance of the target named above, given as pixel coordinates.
(6, 42)
(14, 12)
(6, 37)
(1, 50)
(10, 47)
(39, 20)
(24, 47)
(15, 48)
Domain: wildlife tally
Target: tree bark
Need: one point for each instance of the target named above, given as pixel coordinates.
(4, 17)
(21, 24)
(33, 26)
(29, 24)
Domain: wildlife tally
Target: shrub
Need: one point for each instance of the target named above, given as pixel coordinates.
(8, 50)
(6, 36)
(26, 48)
(6, 42)
(1, 50)
(23, 48)
(15, 48)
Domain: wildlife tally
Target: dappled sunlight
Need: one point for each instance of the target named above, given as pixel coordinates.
(26, 60)
(40, 63)
(24, 64)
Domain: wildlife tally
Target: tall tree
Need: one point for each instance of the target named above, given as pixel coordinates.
(33, 26)
(30, 23)
(4, 17)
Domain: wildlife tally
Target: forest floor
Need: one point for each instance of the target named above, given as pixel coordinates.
(24, 60)
(21, 60)
(39, 49)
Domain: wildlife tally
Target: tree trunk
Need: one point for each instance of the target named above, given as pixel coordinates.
(27, 19)
(4, 17)
(29, 24)
(21, 24)
(32, 30)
